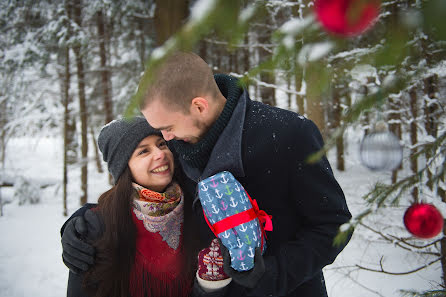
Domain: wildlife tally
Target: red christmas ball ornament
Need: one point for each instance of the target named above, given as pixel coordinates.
(423, 220)
(347, 18)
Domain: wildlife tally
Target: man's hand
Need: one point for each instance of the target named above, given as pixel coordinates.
(77, 254)
(248, 278)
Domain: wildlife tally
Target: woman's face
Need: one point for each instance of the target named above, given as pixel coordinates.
(151, 164)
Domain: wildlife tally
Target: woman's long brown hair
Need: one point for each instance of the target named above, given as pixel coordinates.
(115, 250)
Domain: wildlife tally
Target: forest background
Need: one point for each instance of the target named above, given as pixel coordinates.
(69, 67)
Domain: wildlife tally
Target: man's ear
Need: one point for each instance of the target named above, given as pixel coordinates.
(199, 106)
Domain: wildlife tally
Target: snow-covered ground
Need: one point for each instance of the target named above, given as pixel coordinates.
(30, 253)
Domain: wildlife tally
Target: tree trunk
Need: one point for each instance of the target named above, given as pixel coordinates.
(337, 114)
(236, 65)
(299, 71)
(440, 190)
(202, 45)
(246, 54)
(298, 77)
(231, 63)
(96, 151)
(65, 79)
(105, 73)
(142, 43)
(430, 110)
(315, 110)
(3, 120)
(413, 137)
(395, 126)
(66, 100)
(443, 248)
(217, 57)
(365, 117)
(77, 11)
(169, 17)
(267, 94)
(443, 253)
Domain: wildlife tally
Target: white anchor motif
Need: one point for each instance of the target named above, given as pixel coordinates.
(255, 237)
(250, 254)
(242, 199)
(242, 265)
(251, 225)
(237, 187)
(239, 243)
(223, 179)
(232, 203)
(204, 188)
(243, 228)
(215, 209)
(217, 193)
(209, 197)
(226, 234)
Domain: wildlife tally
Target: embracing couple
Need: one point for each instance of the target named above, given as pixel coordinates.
(149, 235)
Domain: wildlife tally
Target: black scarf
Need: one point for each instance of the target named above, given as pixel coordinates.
(197, 155)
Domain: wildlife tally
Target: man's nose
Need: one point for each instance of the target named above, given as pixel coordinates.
(167, 136)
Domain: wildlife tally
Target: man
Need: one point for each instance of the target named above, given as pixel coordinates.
(212, 126)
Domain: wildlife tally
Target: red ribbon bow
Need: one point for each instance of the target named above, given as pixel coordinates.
(264, 218)
(243, 217)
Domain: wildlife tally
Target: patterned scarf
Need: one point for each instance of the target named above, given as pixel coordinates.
(161, 212)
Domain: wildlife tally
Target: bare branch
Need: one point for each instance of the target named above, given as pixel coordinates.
(392, 238)
(382, 270)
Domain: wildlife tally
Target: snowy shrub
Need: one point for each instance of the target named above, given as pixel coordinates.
(25, 191)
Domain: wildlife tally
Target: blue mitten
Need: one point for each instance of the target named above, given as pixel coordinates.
(234, 218)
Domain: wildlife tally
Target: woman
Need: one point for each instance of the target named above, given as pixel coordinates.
(140, 249)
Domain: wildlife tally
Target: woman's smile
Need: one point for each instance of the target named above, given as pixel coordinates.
(163, 169)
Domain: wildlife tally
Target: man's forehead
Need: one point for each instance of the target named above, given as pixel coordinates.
(159, 119)
(156, 105)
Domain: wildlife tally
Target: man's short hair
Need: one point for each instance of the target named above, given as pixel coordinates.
(181, 77)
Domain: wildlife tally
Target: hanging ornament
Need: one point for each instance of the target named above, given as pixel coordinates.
(347, 18)
(381, 150)
(423, 220)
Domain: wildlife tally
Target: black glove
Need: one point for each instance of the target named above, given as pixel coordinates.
(77, 254)
(248, 278)
(95, 226)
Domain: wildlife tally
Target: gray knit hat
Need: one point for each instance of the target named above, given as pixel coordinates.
(119, 138)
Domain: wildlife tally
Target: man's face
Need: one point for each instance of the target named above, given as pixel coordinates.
(174, 124)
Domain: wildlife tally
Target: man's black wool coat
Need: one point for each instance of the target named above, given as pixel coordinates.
(266, 148)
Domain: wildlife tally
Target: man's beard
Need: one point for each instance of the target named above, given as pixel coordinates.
(202, 127)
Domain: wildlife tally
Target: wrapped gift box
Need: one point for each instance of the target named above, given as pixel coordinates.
(234, 217)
